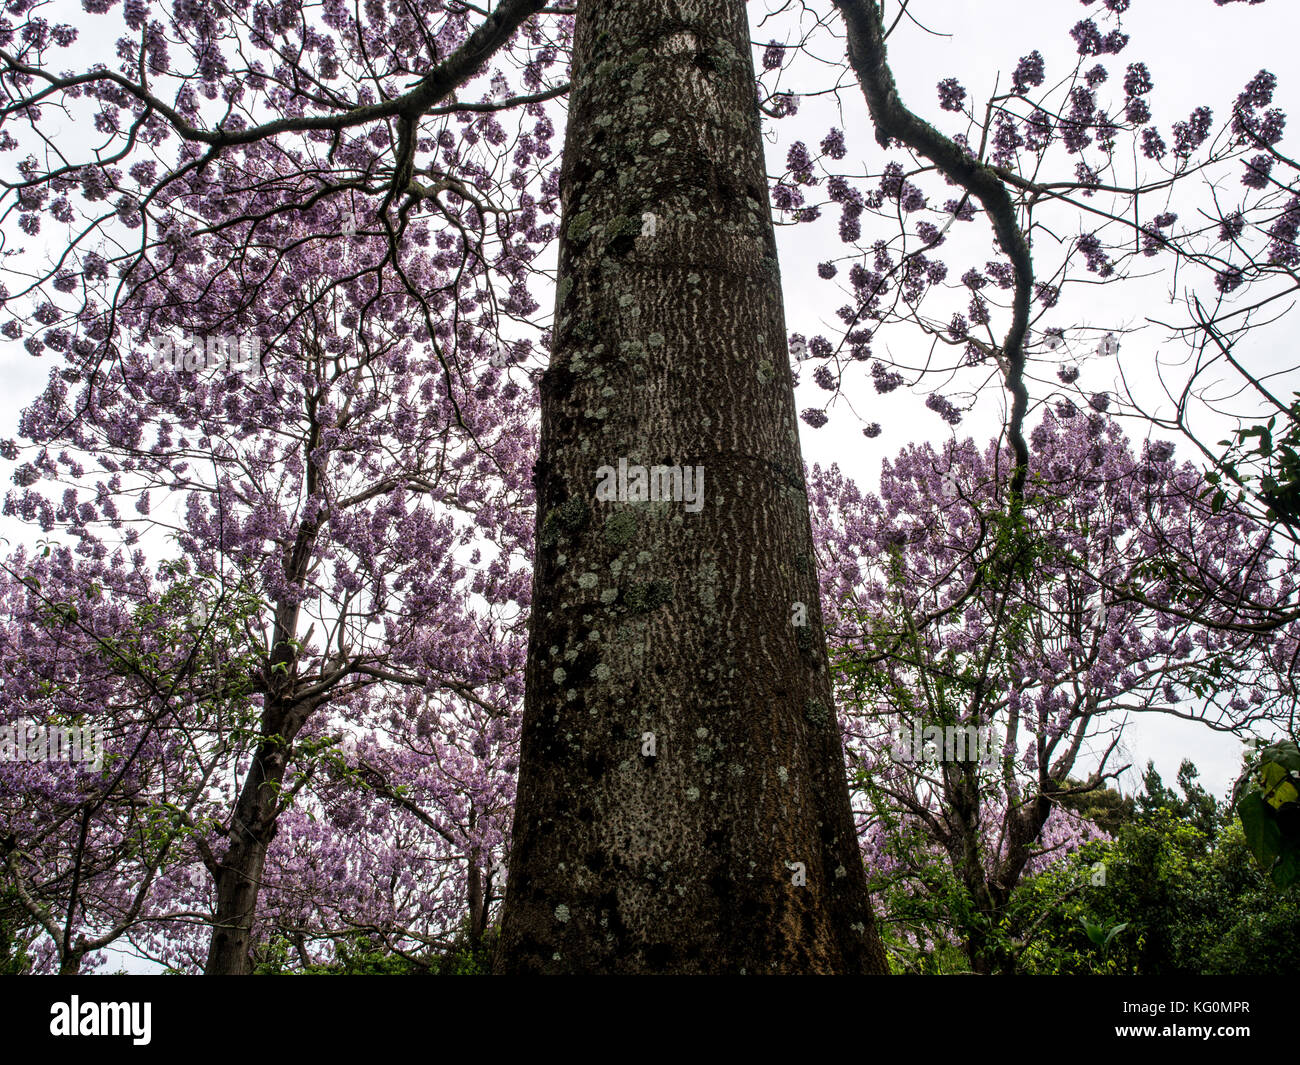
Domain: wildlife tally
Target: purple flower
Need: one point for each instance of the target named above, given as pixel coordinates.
(1153, 145)
(814, 417)
(951, 95)
(1258, 91)
(826, 271)
(1228, 280)
(1098, 261)
(1137, 80)
(1088, 37)
(1003, 274)
(1028, 72)
(1136, 111)
(1257, 172)
(884, 381)
(797, 160)
(833, 144)
(1283, 250)
(944, 408)
(1006, 139)
(963, 210)
(773, 56)
(891, 181)
(1190, 135)
(872, 431)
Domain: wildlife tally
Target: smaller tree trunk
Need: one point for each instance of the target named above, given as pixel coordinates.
(239, 877)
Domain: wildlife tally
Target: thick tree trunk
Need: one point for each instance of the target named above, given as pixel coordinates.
(682, 804)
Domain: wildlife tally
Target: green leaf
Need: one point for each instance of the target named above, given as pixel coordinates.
(1285, 754)
(1287, 870)
(1263, 836)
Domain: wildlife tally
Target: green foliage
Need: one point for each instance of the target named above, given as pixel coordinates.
(17, 933)
(1188, 898)
(1104, 807)
(1175, 891)
(1265, 462)
(1267, 799)
(363, 955)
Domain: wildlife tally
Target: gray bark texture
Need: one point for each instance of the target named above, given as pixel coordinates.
(648, 618)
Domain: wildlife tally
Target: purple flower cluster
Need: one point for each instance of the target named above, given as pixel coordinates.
(1075, 128)
(952, 96)
(1006, 139)
(1137, 80)
(884, 380)
(964, 209)
(1190, 135)
(1232, 226)
(1283, 250)
(1228, 280)
(1153, 145)
(944, 408)
(799, 163)
(1090, 40)
(1097, 259)
(1257, 172)
(833, 144)
(1028, 73)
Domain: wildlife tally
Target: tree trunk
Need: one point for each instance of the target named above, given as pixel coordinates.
(477, 896)
(239, 878)
(682, 804)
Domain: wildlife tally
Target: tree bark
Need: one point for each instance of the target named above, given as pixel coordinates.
(656, 628)
(239, 877)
